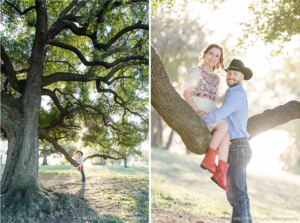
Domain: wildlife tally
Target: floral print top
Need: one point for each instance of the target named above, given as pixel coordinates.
(208, 83)
(205, 83)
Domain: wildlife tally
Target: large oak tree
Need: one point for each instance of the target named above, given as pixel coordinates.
(87, 60)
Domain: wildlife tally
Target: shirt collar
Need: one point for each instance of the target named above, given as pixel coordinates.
(235, 88)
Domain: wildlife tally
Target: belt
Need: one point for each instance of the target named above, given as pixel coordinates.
(239, 140)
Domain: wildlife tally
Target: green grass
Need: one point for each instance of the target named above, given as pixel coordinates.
(179, 184)
(96, 171)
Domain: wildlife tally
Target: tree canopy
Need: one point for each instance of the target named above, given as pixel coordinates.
(273, 21)
(95, 71)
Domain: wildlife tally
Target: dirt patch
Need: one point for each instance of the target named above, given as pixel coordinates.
(97, 200)
(165, 216)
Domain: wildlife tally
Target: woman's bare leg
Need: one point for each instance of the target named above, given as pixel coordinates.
(223, 148)
(219, 132)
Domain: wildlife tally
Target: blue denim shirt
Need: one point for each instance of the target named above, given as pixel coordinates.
(79, 160)
(234, 111)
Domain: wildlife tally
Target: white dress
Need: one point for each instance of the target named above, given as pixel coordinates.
(206, 92)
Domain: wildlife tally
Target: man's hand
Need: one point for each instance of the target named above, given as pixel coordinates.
(202, 114)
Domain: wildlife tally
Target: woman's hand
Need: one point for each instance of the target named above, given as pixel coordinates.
(202, 114)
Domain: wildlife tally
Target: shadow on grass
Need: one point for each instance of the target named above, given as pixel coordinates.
(80, 211)
(116, 195)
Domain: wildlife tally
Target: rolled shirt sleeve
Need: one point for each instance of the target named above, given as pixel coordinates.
(79, 160)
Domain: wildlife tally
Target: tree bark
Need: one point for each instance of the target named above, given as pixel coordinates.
(193, 131)
(271, 118)
(125, 163)
(174, 110)
(20, 191)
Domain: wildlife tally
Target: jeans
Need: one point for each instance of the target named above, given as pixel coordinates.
(82, 173)
(239, 156)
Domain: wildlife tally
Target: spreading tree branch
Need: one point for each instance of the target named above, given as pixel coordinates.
(102, 46)
(54, 98)
(95, 63)
(116, 96)
(18, 10)
(90, 76)
(43, 134)
(102, 156)
(10, 72)
(96, 140)
(59, 61)
(272, 118)
(67, 9)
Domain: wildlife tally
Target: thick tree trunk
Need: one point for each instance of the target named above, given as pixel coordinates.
(156, 129)
(193, 131)
(19, 182)
(21, 168)
(20, 191)
(45, 157)
(125, 163)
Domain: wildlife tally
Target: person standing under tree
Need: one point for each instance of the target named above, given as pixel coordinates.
(80, 161)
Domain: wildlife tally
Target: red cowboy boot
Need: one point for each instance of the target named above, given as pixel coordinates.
(220, 176)
(209, 160)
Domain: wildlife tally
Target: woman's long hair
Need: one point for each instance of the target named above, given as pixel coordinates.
(220, 64)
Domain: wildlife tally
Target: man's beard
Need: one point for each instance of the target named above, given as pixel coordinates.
(235, 83)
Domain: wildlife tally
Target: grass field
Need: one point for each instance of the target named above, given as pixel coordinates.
(110, 194)
(179, 187)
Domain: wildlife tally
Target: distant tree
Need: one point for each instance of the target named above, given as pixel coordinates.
(274, 21)
(178, 38)
(145, 156)
(46, 151)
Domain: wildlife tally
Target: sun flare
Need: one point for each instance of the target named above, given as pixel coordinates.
(266, 150)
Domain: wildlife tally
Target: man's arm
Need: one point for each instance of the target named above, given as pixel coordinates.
(231, 104)
(78, 160)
